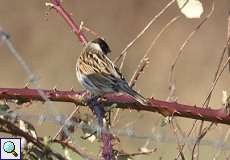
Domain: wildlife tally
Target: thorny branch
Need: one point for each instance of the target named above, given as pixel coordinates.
(122, 101)
(56, 4)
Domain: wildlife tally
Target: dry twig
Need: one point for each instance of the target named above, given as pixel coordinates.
(124, 52)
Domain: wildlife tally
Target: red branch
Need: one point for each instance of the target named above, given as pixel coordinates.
(122, 101)
(56, 4)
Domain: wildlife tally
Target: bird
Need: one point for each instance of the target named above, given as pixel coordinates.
(99, 75)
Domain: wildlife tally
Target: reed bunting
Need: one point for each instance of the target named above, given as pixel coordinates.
(97, 73)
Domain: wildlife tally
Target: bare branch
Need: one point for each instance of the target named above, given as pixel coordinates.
(82, 153)
(13, 129)
(66, 121)
(124, 52)
(56, 4)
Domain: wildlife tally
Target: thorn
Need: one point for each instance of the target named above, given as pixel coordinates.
(219, 118)
(55, 88)
(27, 85)
(200, 115)
(71, 89)
(81, 25)
(177, 112)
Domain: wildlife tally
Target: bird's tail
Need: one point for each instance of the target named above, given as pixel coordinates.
(125, 88)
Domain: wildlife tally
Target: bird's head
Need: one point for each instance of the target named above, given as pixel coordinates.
(100, 44)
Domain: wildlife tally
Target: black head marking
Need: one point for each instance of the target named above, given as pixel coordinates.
(104, 46)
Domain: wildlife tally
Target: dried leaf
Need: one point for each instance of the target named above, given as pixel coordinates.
(224, 97)
(144, 149)
(91, 137)
(67, 154)
(28, 128)
(190, 8)
(165, 121)
(121, 155)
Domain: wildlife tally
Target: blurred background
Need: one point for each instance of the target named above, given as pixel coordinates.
(50, 48)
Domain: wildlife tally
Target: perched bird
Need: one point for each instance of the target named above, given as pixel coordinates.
(97, 73)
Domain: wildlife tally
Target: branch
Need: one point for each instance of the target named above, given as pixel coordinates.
(80, 152)
(56, 4)
(122, 101)
(124, 52)
(14, 130)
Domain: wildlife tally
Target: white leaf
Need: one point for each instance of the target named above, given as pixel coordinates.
(224, 97)
(91, 138)
(67, 154)
(190, 8)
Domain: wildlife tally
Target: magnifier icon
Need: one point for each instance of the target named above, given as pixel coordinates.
(9, 147)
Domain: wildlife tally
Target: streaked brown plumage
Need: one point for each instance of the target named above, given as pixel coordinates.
(97, 73)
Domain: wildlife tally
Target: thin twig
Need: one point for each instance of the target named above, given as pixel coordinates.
(66, 122)
(172, 84)
(199, 139)
(80, 152)
(213, 84)
(187, 40)
(203, 133)
(143, 31)
(216, 155)
(177, 139)
(138, 153)
(15, 130)
(145, 60)
(56, 4)
(87, 29)
(208, 97)
(143, 63)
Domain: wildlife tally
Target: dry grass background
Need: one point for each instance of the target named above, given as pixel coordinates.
(51, 49)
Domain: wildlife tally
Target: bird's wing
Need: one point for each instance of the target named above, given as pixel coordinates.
(96, 63)
(101, 71)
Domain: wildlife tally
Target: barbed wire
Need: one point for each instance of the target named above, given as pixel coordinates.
(157, 136)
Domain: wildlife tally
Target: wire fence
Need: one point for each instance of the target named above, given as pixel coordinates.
(160, 136)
